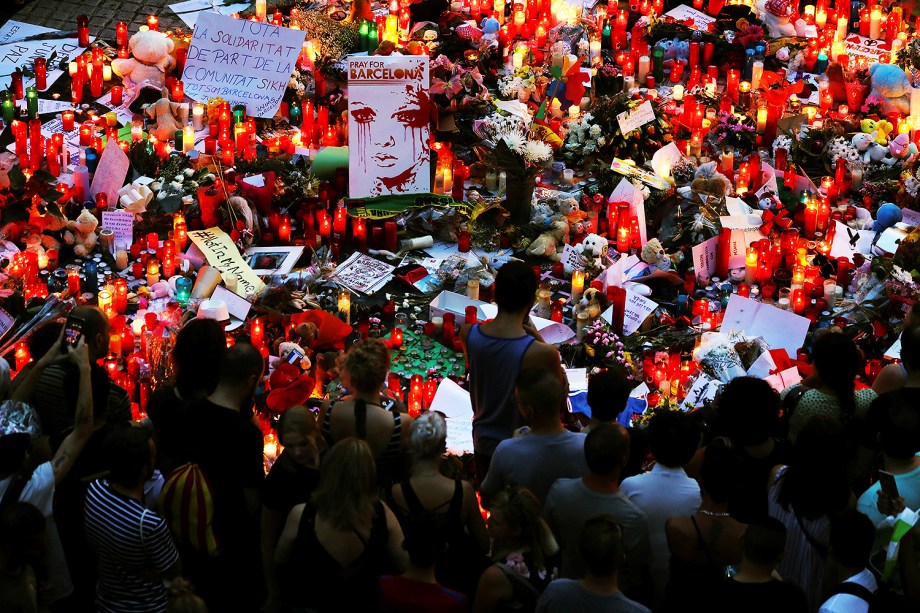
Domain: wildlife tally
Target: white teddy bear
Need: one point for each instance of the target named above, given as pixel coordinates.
(593, 250)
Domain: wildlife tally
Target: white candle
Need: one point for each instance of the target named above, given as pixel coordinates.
(761, 119)
(875, 22)
(756, 74)
(198, 116)
(915, 101)
(678, 92)
(820, 19)
(574, 111)
(260, 10)
(595, 50)
(644, 66)
(106, 73)
(188, 138)
(842, 25)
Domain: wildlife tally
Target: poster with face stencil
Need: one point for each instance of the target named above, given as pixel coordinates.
(388, 126)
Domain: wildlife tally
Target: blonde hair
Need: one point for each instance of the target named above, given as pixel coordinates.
(301, 420)
(347, 487)
(428, 435)
(522, 510)
(366, 364)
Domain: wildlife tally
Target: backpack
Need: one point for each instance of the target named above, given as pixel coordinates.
(883, 600)
(187, 504)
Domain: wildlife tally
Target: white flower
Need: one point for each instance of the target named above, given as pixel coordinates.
(537, 152)
(156, 186)
(782, 54)
(516, 140)
(189, 172)
(899, 274)
(594, 131)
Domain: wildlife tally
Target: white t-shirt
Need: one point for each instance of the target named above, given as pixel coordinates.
(39, 491)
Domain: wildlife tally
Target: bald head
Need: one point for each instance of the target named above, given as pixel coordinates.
(606, 448)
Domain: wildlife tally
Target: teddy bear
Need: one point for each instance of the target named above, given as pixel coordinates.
(777, 16)
(874, 152)
(49, 226)
(654, 255)
(593, 250)
(675, 49)
(166, 114)
(573, 215)
(286, 348)
(881, 129)
(150, 62)
(861, 141)
(890, 83)
(710, 182)
(541, 215)
(81, 233)
(547, 244)
(34, 244)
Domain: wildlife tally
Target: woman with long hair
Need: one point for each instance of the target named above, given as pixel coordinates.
(333, 550)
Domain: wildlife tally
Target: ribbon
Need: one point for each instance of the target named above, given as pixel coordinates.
(779, 219)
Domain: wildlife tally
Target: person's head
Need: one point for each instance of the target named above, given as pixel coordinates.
(899, 430)
(22, 533)
(608, 393)
(851, 541)
(815, 483)
(300, 435)
(673, 437)
(428, 436)
(718, 473)
(600, 545)
(196, 357)
(182, 599)
(912, 318)
(764, 541)
(748, 410)
(540, 394)
(425, 540)
(19, 426)
(515, 521)
(365, 365)
(95, 330)
(130, 454)
(241, 368)
(910, 347)
(837, 361)
(515, 288)
(607, 449)
(40, 341)
(347, 486)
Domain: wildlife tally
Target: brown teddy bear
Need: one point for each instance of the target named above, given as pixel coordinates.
(81, 233)
(166, 114)
(150, 62)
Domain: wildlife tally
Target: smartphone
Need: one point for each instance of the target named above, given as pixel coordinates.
(294, 357)
(73, 330)
(888, 484)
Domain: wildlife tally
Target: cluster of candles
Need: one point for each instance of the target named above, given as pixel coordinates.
(450, 173)
(315, 127)
(667, 378)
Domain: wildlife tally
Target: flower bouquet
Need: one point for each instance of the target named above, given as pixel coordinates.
(604, 347)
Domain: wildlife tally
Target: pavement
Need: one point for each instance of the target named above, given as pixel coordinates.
(103, 14)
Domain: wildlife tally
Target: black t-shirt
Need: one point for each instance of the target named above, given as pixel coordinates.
(228, 448)
(770, 597)
(748, 498)
(288, 484)
(167, 413)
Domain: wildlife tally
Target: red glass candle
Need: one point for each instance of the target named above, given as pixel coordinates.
(83, 31)
(117, 95)
(396, 338)
(121, 35)
(153, 23)
(41, 73)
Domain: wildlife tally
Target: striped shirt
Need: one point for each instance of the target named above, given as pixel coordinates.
(55, 398)
(132, 544)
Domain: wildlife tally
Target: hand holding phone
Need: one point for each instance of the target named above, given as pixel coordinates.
(73, 332)
(888, 484)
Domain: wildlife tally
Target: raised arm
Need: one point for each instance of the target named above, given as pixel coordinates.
(73, 444)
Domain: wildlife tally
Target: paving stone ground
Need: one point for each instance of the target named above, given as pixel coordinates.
(103, 14)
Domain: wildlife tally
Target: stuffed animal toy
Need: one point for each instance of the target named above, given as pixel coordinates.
(34, 244)
(547, 244)
(675, 49)
(50, 227)
(900, 147)
(875, 153)
(81, 233)
(286, 348)
(890, 83)
(490, 27)
(575, 217)
(541, 215)
(150, 62)
(654, 255)
(777, 16)
(881, 129)
(166, 114)
(886, 216)
(593, 250)
(710, 182)
(861, 141)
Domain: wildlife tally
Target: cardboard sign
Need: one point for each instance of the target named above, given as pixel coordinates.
(625, 191)
(122, 224)
(683, 12)
(223, 255)
(388, 125)
(704, 257)
(111, 171)
(243, 62)
(188, 11)
(636, 118)
(780, 329)
(571, 258)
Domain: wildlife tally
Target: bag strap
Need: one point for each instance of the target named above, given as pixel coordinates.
(854, 589)
(17, 485)
(819, 547)
(791, 402)
(143, 541)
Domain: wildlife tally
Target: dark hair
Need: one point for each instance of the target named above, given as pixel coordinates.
(197, 354)
(608, 393)
(126, 450)
(19, 522)
(815, 483)
(424, 540)
(638, 452)
(673, 437)
(94, 321)
(40, 341)
(764, 540)
(719, 472)
(852, 538)
(910, 347)
(239, 363)
(606, 448)
(541, 390)
(600, 545)
(837, 361)
(748, 410)
(515, 287)
(899, 429)
(13, 448)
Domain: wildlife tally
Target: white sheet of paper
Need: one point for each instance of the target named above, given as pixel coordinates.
(704, 257)
(894, 352)
(454, 402)
(122, 224)
(637, 309)
(683, 12)
(189, 11)
(578, 379)
(762, 366)
(16, 51)
(704, 388)
(664, 159)
(639, 391)
(625, 191)
(362, 273)
(769, 181)
(553, 332)
(780, 329)
(636, 118)
(890, 239)
(848, 241)
(570, 258)
(910, 217)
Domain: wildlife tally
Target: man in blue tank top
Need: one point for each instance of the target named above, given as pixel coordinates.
(496, 353)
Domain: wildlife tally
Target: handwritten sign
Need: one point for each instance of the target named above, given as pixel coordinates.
(683, 13)
(848, 241)
(223, 255)
(111, 171)
(871, 49)
(637, 309)
(636, 118)
(911, 218)
(20, 45)
(122, 224)
(780, 329)
(704, 257)
(188, 11)
(362, 273)
(244, 62)
(571, 259)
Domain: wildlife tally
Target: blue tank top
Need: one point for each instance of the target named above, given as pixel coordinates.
(494, 365)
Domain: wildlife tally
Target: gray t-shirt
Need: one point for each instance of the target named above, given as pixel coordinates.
(570, 504)
(565, 595)
(535, 461)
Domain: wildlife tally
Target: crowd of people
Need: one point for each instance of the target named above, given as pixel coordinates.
(764, 502)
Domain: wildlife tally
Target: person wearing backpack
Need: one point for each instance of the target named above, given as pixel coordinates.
(851, 541)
